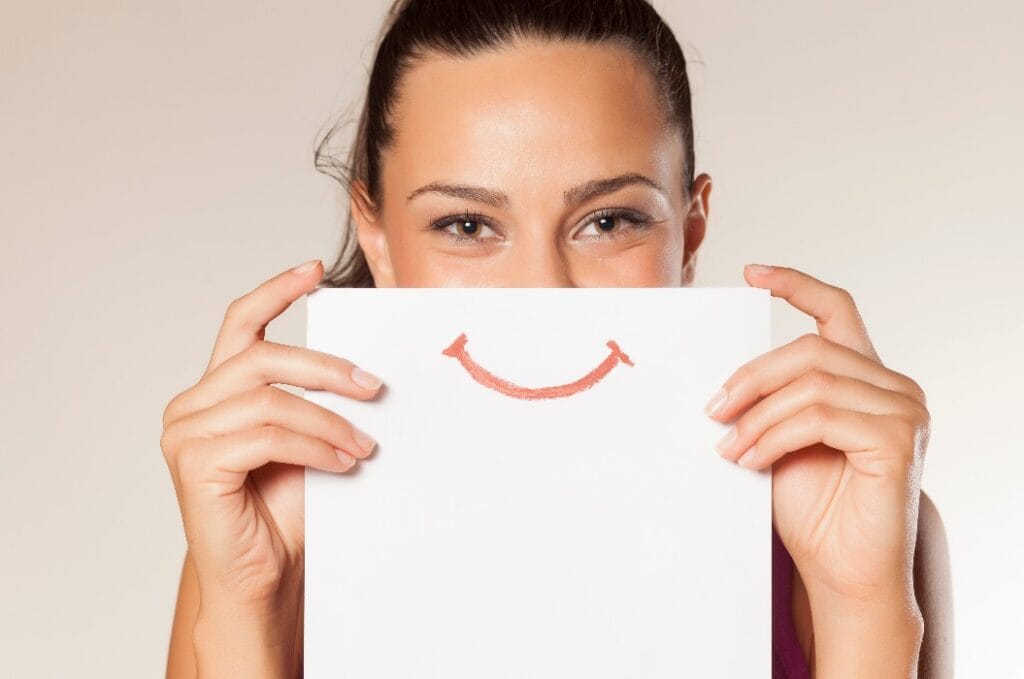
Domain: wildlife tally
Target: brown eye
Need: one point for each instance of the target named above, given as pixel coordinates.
(611, 224)
(468, 229)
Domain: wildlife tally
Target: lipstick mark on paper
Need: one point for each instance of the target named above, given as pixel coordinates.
(457, 350)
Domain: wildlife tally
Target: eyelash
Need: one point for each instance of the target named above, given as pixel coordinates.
(637, 221)
(441, 225)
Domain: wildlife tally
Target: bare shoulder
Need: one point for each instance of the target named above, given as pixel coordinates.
(934, 591)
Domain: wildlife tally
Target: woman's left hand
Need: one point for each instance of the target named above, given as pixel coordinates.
(846, 438)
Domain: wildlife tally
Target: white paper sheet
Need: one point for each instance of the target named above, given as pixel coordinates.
(563, 533)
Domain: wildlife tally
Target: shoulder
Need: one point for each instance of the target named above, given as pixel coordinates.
(934, 592)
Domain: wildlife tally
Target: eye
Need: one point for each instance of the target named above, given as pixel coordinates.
(612, 224)
(464, 227)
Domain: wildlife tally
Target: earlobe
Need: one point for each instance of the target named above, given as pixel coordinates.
(370, 234)
(696, 225)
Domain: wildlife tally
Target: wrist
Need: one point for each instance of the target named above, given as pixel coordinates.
(248, 640)
(878, 636)
(244, 644)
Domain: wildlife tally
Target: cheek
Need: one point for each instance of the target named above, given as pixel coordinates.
(655, 262)
(443, 272)
(416, 263)
(669, 259)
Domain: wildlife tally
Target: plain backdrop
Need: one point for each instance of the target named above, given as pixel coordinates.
(156, 162)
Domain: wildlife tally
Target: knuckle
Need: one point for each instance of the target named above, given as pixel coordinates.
(812, 345)
(906, 432)
(235, 308)
(742, 374)
(170, 413)
(270, 437)
(260, 352)
(179, 406)
(328, 419)
(167, 440)
(912, 387)
(189, 461)
(820, 381)
(925, 416)
(917, 391)
(741, 425)
(844, 297)
(267, 398)
(807, 338)
(334, 368)
(809, 341)
(326, 363)
(919, 413)
(819, 415)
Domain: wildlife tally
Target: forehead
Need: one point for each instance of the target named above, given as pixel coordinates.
(531, 111)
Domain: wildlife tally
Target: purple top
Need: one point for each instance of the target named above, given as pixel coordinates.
(787, 657)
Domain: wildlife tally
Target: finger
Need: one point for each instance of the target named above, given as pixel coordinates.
(814, 387)
(774, 369)
(269, 405)
(875, 445)
(221, 464)
(266, 363)
(833, 308)
(247, 317)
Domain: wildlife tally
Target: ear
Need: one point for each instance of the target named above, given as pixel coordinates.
(696, 225)
(370, 234)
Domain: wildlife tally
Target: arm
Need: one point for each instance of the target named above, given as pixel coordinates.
(866, 639)
(181, 658)
(897, 634)
(218, 637)
(934, 592)
(236, 445)
(846, 438)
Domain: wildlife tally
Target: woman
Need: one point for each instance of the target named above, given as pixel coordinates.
(542, 143)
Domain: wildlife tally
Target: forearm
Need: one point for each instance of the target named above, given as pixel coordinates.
(251, 642)
(864, 639)
(181, 656)
(230, 644)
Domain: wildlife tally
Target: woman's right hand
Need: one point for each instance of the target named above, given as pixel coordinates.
(236, 446)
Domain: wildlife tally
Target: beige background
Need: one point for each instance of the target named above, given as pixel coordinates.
(155, 162)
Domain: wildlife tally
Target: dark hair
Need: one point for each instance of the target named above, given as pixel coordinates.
(461, 28)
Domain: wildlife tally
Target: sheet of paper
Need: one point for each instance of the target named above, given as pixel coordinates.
(545, 500)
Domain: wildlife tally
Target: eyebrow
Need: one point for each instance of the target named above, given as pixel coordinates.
(573, 196)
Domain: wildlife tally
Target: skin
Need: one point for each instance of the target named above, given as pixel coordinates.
(544, 125)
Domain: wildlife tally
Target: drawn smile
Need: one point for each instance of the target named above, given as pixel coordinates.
(457, 350)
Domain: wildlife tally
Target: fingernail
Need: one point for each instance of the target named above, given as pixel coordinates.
(723, 445)
(363, 440)
(760, 268)
(747, 458)
(365, 379)
(717, 402)
(345, 458)
(307, 267)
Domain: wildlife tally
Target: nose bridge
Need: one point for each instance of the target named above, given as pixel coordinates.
(540, 261)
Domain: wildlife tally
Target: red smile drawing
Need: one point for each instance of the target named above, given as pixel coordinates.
(457, 350)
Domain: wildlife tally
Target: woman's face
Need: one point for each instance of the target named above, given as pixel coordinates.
(540, 165)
